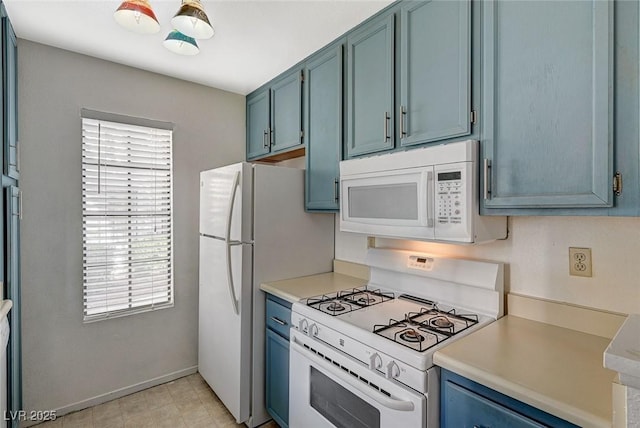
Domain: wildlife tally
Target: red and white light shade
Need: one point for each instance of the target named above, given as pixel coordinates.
(137, 16)
(190, 23)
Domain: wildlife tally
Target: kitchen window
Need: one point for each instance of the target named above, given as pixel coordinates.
(127, 216)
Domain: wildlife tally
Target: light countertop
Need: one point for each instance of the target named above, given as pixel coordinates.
(623, 353)
(295, 289)
(555, 369)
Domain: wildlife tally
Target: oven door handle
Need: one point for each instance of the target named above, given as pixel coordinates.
(403, 406)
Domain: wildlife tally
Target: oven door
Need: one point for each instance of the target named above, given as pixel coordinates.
(329, 389)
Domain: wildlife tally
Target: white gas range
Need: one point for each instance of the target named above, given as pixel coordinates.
(364, 357)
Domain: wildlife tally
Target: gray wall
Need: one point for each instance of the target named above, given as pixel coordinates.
(64, 360)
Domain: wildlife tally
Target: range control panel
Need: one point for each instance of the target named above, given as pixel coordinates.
(450, 197)
(420, 262)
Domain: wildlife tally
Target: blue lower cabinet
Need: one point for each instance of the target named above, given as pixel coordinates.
(465, 403)
(278, 378)
(277, 359)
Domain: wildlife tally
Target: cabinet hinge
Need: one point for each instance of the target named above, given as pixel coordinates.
(474, 117)
(617, 184)
(302, 76)
(301, 135)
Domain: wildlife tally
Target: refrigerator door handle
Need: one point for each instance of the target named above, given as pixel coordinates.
(232, 292)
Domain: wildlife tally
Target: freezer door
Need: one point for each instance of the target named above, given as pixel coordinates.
(226, 202)
(224, 336)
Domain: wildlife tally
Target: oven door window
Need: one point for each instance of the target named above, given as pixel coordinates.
(339, 406)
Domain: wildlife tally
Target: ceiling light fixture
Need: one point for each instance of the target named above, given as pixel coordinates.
(181, 44)
(137, 16)
(189, 23)
(192, 20)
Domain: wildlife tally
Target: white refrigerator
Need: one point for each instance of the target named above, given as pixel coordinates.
(253, 229)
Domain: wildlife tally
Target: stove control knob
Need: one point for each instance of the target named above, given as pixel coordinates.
(393, 370)
(303, 325)
(313, 330)
(375, 362)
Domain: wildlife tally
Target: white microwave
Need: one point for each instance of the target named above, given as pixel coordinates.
(429, 193)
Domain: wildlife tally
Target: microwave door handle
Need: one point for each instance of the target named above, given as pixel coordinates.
(430, 199)
(400, 405)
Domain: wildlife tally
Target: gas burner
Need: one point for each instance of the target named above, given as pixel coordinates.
(348, 300)
(365, 297)
(336, 307)
(441, 322)
(412, 336)
(409, 334)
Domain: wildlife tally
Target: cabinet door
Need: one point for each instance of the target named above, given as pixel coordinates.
(286, 112)
(12, 291)
(547, 115)
(323, 125)
(258, 136)
(435, 71)
(370, 88)
(464, 408)
(10, 68)
(277, 349)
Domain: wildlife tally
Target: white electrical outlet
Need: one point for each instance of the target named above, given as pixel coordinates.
(580, 262)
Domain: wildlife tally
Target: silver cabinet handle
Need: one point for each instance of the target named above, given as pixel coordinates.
(487, 167)
(387, 118)
(264, 139)
(403, 115)
(336, 190)
(19, 204)
(278, 320)
(271, 139)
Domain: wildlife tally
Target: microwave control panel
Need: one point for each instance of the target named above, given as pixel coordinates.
(451, 198)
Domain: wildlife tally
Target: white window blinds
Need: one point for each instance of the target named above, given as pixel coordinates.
(127, 218)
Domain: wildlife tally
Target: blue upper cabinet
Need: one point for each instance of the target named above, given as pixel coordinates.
(274, 117)
(286, 112)
(547, 113)
(370, 87)
(258, 128)
(323, 127)
(435, 71)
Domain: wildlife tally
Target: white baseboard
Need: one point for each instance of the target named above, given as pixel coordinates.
(118, 393)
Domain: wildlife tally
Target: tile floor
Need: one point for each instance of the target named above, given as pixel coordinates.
(187, 402)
